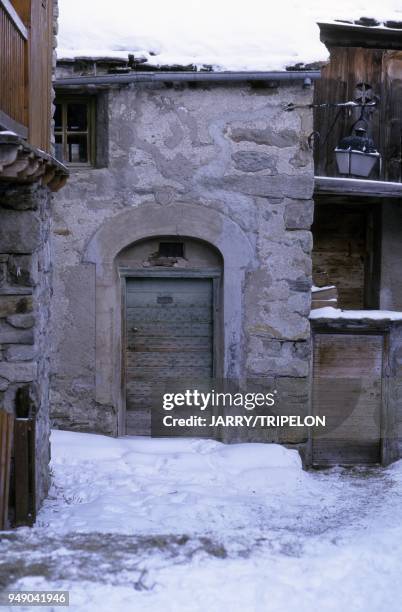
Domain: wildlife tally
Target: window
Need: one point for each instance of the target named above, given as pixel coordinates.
(171, 249)
(74, 126)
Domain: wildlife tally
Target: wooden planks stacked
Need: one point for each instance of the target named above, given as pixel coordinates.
(6, 440)
(324, 296)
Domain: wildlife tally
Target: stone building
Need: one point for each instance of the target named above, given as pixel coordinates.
(28, 176)
(209, 175)
(184, 244)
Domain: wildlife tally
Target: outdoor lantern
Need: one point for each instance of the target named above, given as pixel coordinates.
(356, 155)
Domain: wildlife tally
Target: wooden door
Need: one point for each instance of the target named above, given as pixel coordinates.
(169, 331)
(347, 376)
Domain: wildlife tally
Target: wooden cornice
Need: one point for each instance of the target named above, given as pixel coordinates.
(351, 35)
(20, 163)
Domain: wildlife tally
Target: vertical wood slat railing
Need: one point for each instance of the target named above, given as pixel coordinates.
(14, 107)
(6, 442)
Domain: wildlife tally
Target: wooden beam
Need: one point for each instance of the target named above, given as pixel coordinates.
(10, 124)
(6, 440)
(15, 18)
(351, 35)
(326, 185)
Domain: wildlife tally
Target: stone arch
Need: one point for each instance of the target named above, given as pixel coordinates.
(147, 221)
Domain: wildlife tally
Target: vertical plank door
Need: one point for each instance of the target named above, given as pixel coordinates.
(169, 330)
(347, 377)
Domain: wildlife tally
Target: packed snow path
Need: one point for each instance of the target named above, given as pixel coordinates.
(194, 525)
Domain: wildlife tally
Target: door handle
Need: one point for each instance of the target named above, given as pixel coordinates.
(134, 329)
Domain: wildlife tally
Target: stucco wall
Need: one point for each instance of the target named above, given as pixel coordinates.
(235, 157)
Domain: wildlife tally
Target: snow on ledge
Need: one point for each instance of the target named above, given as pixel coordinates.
(328, 312)
(314, 289)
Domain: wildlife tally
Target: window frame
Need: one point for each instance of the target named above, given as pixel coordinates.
(89, 101)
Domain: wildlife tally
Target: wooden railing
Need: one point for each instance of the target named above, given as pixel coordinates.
(26, 28)
(13, 68)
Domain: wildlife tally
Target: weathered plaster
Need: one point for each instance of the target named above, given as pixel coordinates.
(223, 164)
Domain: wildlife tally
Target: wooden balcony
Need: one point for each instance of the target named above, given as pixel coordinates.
(26, 29)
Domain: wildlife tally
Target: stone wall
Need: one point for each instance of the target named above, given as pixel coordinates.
(25, 291)
(233, 154)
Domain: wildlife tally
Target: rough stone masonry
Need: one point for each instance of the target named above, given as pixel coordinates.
(25, 291)
(222, 163)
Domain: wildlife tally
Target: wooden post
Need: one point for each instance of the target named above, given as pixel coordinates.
(6, 440)
(24, 472)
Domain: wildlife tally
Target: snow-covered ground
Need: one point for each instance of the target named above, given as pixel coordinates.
(185, 525)
(228, 34)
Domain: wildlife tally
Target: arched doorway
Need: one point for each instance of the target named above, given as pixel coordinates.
(172, 307)
(134, 227)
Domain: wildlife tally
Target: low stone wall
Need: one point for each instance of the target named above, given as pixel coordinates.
(25, 291)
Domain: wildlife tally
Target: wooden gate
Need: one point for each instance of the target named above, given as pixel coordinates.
(6, 439)
(24, 472)
(17, 471)
(169, 331)
(347, 390)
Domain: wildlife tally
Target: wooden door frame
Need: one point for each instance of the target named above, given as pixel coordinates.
(213, 274)
(348, 327)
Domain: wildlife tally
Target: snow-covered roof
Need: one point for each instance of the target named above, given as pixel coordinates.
(227, 34)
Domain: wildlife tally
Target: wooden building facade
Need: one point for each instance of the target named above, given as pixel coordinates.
(357, 248)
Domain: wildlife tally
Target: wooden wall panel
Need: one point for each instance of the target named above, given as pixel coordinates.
(28, 69)
(347, 390)
(382, 70)
(40, 88)
(392, 116)
(340, 252)
(13, 67)
(347, 68)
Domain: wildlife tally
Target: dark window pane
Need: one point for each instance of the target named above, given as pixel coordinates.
(171, 249)
(77, 148)
(59, 147)
(58, 117)
(77, 117)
